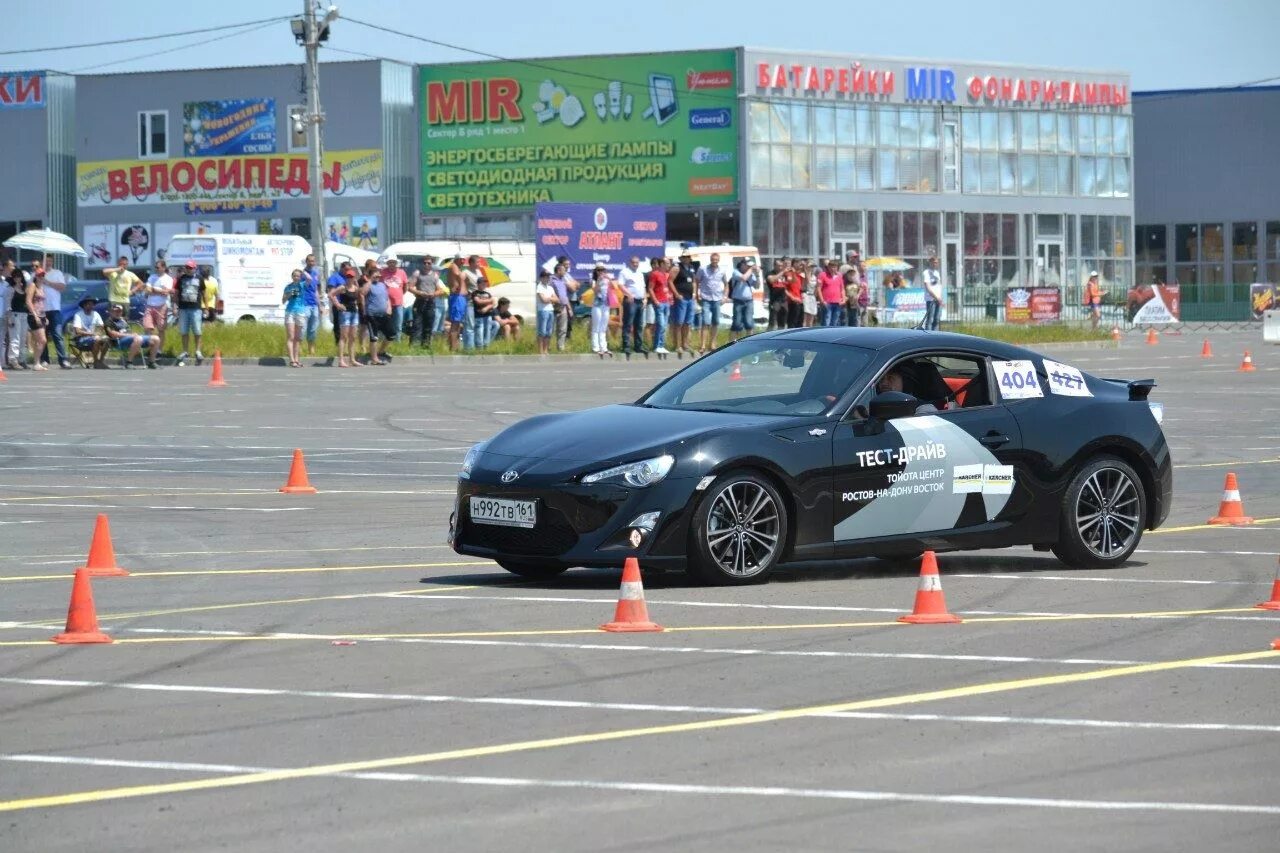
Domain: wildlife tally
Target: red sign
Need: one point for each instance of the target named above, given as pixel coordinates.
(850, 79)
(21, 90)
(1020, 90)
(708, 80)
(1032, 305)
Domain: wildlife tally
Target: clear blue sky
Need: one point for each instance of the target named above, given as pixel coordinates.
(1164, 45)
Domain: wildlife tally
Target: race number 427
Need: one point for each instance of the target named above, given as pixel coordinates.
(1017, 379)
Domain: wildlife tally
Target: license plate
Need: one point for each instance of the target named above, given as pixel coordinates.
(506, 513)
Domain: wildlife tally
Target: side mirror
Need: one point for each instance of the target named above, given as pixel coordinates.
(888, 405)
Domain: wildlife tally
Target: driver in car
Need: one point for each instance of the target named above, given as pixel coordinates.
(892, 381)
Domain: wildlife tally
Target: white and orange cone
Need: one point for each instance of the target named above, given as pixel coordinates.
(1273, 603)
(1246, 366)
(931, 606)
(631, 615)
(1231, 509)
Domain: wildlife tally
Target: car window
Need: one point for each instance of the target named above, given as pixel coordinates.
(765, 377)
(943, 380)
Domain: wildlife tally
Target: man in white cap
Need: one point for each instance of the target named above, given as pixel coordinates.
(396, 281)
(1093, 299)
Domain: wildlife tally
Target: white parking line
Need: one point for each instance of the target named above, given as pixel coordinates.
(1039, 577)
(694, 650)
(686, 789)
(709, 710)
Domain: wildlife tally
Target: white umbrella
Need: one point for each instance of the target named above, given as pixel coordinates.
(44, 240)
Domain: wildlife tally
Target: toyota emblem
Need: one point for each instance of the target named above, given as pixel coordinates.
(510, 476)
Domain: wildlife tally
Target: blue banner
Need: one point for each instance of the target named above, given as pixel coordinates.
(904, 306)
(591, 234)
(213, 128)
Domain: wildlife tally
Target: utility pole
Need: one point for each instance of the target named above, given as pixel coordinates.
(310, 32)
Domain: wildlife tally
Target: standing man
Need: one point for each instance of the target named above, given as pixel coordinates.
(396, 281)
(378, 316)
(482, 306)
(337, 279)
(190, 297)
(713, 281)
(122, 284)
(1093, 299)
(660, 297)
(564, 288)
(633, 296)
(54, 285)
(683, 281)
(155, 319)
(471, 275)
(742, 291)
(932, 295)
(210, 301)
(778, 294)
(311, 296)
(423, 287)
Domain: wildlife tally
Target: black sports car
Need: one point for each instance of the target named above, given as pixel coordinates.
(822, 444)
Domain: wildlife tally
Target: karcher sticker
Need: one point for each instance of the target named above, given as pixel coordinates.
(966, 480)
(1066, 380)
(997, 479)
(1017, 379)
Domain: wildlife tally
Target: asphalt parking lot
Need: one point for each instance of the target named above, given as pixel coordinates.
(322, 672)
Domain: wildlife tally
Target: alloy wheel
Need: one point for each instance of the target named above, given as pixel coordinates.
(743, 528)
(1107, 511)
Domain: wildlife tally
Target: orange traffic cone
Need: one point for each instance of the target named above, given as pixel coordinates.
(1273, 603)
(631, 614)
(82, 619)
(931, 607)
(3, 378)
(298, 484)
(1231, 510)
(1152, 338)
(1206, 351)
(1115, 334)
(102, 554)
(1275, 644)
(1246, 366)
(736, 375)
(216, 380)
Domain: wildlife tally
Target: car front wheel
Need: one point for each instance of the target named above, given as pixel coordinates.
(1102, 515)
(739, 530)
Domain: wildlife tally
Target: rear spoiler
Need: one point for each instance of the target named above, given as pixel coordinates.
(1139, 389)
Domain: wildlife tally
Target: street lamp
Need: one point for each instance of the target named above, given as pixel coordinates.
(310, 33)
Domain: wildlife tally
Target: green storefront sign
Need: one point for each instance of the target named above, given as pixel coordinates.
(658, 128)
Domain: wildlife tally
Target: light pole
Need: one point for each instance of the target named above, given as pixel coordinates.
(310, 32)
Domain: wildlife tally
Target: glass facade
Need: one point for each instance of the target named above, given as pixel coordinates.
(886, 148)
(1214, 262)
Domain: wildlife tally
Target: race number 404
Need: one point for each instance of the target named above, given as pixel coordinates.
(1017, 379)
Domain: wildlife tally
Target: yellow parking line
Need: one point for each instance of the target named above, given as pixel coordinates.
(276, 571)
(988, 688)
(557, 632)
(1185, 528)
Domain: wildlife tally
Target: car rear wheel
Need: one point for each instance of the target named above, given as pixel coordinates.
(1102, 515)
(738, 531)
(532, 570)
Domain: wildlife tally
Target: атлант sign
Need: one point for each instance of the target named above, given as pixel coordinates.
(590, 234)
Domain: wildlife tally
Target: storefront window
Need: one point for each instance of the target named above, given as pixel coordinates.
(1121, 134)
(1048, 132)
(1102, 165)
(1088, 178)
(890, 233)
(800, 177)
(824, 168)
(888, 170)
(780, 166)
(1271, 241)
(1065, 141)
(1008, 132)
(888, 127)
(929, 128)
(865, 168)
(800, 123)
(1211, 242)
(782, 232)
(845, 222)
(1186, 243)
(908, 128)
(1102, 134)
(802, 242)
(1030, 127)
(760, 165)
(760, 231)
(1244, 241)
(990, 130)
(1029, 168)
(971, 130)
(1085, 139)
(759, 121)
(846, 127)
(1120, 172)
(824, 125)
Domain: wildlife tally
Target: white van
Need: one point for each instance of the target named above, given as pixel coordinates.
(252, 269)
(517, 257)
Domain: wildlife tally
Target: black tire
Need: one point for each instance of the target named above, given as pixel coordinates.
(738, 532)
(531, 570)
(1102, 516)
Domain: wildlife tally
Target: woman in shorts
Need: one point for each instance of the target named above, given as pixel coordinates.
(346, 314)
(36, 321)
(295, 316)
(546, 296)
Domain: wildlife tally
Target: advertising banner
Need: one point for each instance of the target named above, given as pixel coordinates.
(1154, 304)
(226, 184)
(21, 90)
(135, 244)
(904, 306)
(657, 128)
(100, 243)
(1262, 298)
(1032, 305)
(213, 128)
(608, 234)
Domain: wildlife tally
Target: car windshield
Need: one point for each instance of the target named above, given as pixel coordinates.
(764, 377)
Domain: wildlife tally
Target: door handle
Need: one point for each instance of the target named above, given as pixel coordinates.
(994, 439)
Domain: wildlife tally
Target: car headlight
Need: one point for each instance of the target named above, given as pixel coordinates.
(646, 472)
(469, 461)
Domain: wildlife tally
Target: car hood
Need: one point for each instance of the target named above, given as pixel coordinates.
(611, 433)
